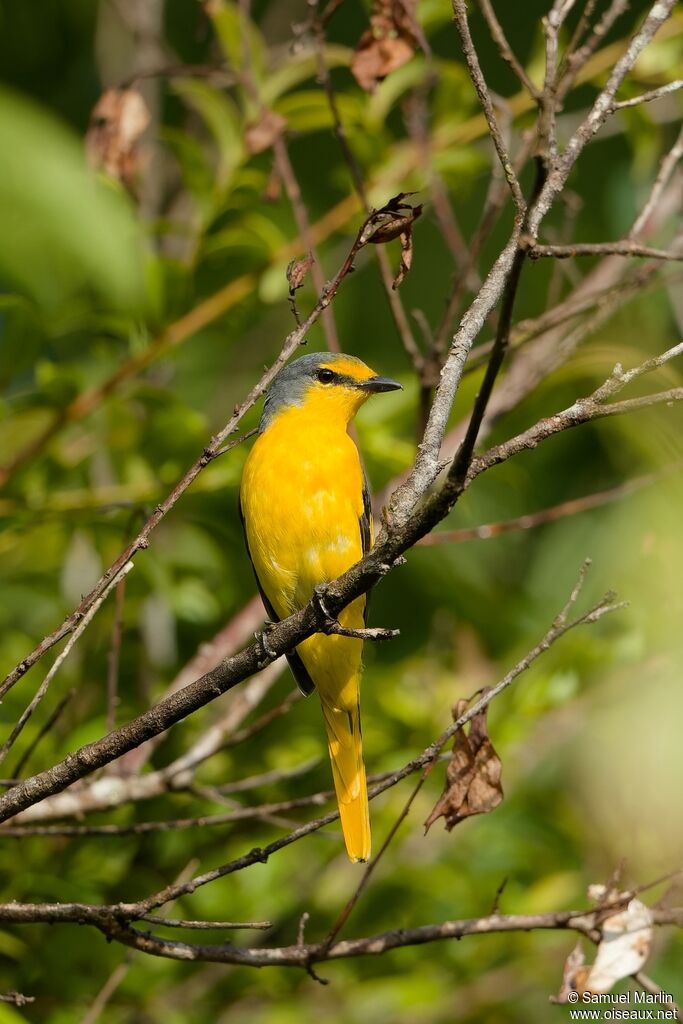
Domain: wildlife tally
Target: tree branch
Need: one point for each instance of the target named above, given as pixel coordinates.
(623, 248)
(474, 68)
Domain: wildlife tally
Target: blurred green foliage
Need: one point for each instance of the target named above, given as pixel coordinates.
(90, 279)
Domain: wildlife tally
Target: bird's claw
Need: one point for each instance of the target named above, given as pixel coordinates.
(319, 597)
(262, 638)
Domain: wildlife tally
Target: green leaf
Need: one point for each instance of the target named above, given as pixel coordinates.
(393, 87)
(254, 233)
(299, 68)
(63, 229)
(195, 167)
(309, 110)
(12, 947)
(221, 117)
(235, 32)
(9, 1015)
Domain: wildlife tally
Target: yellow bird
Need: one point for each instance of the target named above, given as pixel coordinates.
(305, 509)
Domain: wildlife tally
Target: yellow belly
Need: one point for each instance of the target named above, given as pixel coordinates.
(302, 499)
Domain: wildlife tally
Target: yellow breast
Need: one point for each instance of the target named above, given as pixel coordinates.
(302, 500)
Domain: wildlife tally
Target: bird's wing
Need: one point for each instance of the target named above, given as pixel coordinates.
(303, 679)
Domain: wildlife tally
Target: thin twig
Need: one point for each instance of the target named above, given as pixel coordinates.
(395, 304)
(112, 923)
(172, 922)
(572, 507)
(45, 730)
(493, 205)
(666, 169)
(650, 95)
(288, 633)
(240, 288)
(623, 248)
(575, 60)
(369, 870)
(16, 998)
(293, 190)
(474, 68)
(83, 624)
(505, 49)
(648, 985)
(560, 626)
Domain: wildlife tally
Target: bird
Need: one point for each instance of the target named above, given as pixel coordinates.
(306, 513)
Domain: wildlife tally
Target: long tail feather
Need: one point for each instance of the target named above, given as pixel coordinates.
(348, 770)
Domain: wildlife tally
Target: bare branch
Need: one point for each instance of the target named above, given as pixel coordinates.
(572, 507)
(395, 304)
(666, 169)
(83, 624)
(111, 921)
(44, 730)
(172, 922)
(16, 998)
(583, 411)
(650, 95)
(505, 49)
(293, 190)
(371, 868)
(474, 68)
(285, 635)
(575, 59)
(427, 463)
(624, 248)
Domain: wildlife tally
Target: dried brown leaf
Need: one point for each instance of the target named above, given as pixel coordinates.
(387, 44)
(297, 271)
(406, 258)
(116, 126)
(391, 220)
(394, 220)
(262, 134)
(473, 776)
(625, 942)
(573, 965)
(624, 947)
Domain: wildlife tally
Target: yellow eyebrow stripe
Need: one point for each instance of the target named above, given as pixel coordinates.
(349, 368)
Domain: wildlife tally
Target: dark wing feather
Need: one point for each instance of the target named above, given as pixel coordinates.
(303, 680)
(365, 522)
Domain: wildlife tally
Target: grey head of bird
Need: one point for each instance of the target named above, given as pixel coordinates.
(328, 384)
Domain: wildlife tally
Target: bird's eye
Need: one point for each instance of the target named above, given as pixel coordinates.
(325, 376)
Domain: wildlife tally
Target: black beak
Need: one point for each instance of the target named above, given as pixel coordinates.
(378, 384)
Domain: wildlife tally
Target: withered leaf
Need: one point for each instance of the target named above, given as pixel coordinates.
(473, 775)
(116, 125)
(297, 271)
(406, 258)
(626, 938)
(624, 947)
(573, 969)
(394, 220)
(391, 220)
(387, 44)
(261, 134)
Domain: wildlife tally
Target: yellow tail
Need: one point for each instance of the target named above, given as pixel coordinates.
(348, 770)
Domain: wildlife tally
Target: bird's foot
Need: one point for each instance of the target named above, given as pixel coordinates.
(319, 598)
(267, 653)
